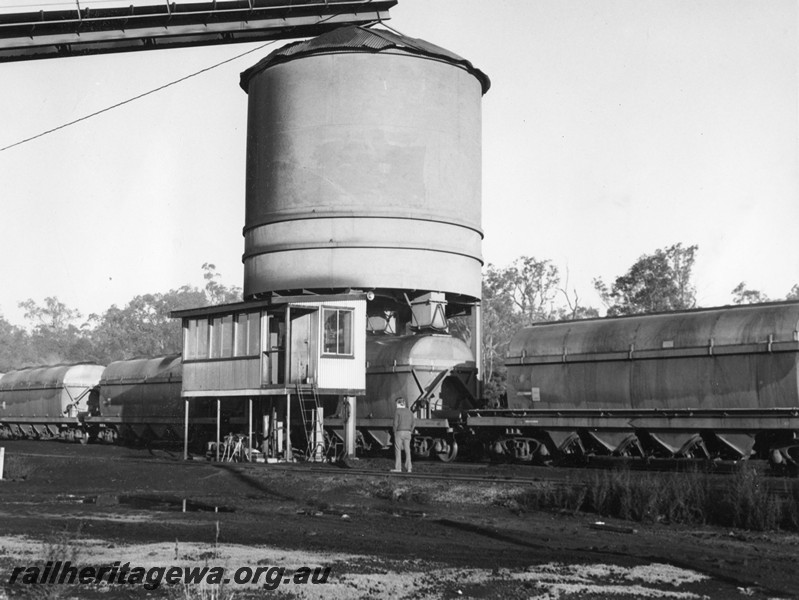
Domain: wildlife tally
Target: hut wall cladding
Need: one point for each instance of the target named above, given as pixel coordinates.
(240, 375)
(346, 372)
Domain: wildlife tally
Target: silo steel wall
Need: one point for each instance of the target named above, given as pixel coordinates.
(363, 170)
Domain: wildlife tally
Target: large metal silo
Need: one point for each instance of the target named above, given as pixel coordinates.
(363, 167)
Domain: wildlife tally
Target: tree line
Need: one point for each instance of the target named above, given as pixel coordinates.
(527, 291)
(142, 328)
(532, 290)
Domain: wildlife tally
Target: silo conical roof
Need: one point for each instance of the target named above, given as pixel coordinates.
(354, 38)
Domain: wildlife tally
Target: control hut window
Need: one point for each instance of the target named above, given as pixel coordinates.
(337, 332)
(222, 337)
(195, 340)
(248, 334)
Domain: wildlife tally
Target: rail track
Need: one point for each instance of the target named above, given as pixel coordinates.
(422, 476)
(478, 473)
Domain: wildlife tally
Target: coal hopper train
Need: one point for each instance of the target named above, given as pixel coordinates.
(140, 400)
(712, 384)
(707, 384)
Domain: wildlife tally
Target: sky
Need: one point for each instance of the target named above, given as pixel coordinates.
(612, 128)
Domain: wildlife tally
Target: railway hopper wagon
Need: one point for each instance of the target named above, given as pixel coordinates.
(436, 375)
(140, 400)
(47, 402)
(718, 383)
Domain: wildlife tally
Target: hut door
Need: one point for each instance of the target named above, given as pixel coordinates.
(273, 359)
(303, 346)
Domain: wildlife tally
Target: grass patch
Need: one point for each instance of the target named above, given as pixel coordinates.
(740, 501)
(17, 468)
(389, 490)
(62, 546)
(59, 546)
(201, 591)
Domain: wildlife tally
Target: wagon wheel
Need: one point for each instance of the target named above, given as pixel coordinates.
(448, 450)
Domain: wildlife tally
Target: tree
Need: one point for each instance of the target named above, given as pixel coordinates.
(15, 347)
(743, 295)
(654, 283)
(573, 310)
(529, 285)
(215, 292)
(53, 316)
(500, 321)
(513, 297)
(55, 338)
(143, 327)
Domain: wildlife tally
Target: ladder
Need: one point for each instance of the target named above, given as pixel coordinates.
(308, 399)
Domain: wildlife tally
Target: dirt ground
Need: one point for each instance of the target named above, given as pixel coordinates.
(385, 536)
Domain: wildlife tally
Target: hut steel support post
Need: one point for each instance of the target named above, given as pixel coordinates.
(249, 430)
(286, 380)
(349, 426)
(218, 425)
(186, 429)
(288, 427)
(477, 346)
(273, 444)
(318, 434)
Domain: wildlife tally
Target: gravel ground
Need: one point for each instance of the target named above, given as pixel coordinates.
(382, 536)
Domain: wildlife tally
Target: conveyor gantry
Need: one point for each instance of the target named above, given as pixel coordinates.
(83, 27)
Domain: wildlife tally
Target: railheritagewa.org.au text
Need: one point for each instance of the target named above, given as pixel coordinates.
(151, 578)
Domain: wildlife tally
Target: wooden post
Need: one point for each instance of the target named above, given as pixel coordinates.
(186, 429)
(2, 461)
(218, 425)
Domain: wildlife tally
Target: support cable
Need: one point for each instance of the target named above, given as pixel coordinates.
(129, 100)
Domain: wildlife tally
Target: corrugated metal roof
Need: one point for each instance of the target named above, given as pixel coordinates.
(703, 328)
(355, 38)
(55, 376)
(140, 370)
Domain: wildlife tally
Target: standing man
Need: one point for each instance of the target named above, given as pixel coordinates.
(404, 424)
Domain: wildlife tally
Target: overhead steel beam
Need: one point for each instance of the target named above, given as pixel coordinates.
(85, 29)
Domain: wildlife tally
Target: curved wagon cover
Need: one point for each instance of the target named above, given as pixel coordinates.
(732, 358)
(53, 392)
(142, 388)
